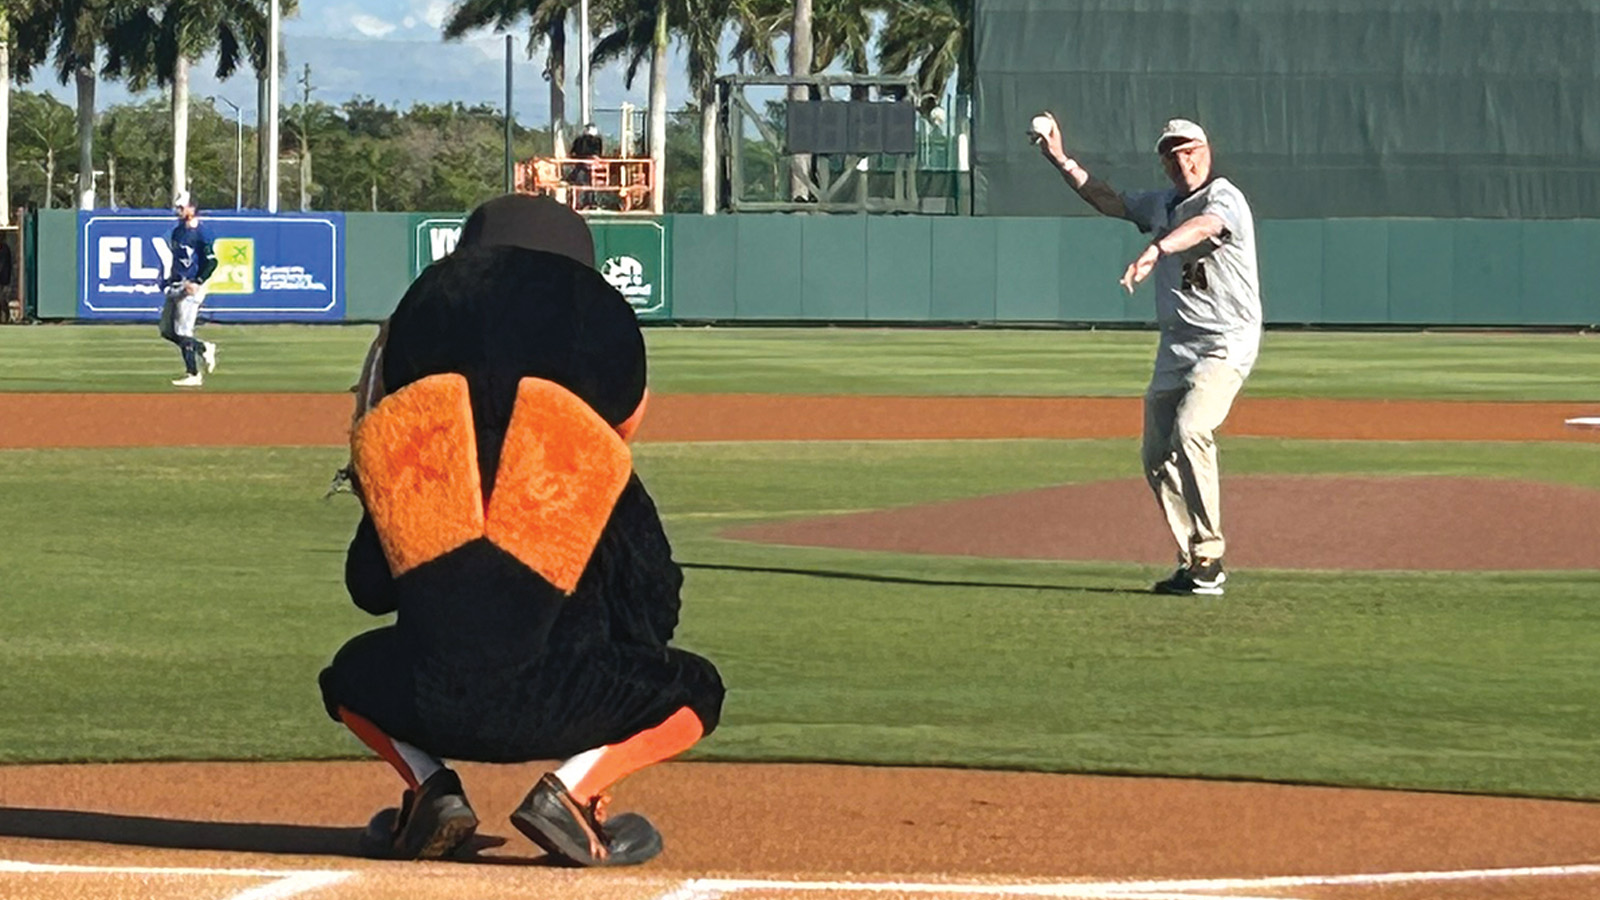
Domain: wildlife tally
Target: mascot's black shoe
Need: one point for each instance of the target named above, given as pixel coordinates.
(432, 822)
(575, 833)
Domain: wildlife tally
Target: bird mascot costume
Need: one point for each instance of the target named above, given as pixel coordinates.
(534, 589)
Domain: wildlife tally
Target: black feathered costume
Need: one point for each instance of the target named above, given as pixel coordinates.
(534, 585)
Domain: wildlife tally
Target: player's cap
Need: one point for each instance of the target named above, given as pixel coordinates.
(181, 199)
(1178, 133)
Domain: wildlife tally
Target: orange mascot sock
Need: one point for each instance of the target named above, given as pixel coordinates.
(413, 765)
(590, 773)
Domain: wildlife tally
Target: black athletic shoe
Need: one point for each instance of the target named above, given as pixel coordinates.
(432, 822)
(1199, 577)
(1178, 582)
(577, 834)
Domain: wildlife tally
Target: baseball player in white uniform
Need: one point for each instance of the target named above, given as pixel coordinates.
(1208, 307)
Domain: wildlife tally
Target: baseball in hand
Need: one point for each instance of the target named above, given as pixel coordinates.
(1043, 124)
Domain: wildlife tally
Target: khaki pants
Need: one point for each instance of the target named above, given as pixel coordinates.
(1180, 455)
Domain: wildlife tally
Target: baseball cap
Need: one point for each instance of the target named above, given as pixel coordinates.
(1180, 131)
(181, 199)
(535, 223)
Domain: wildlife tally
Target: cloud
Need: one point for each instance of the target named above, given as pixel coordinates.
(434, 12)
(409, 22)
(495, 47)
(371, 26)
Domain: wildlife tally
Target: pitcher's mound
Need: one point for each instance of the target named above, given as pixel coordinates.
(1281, 522)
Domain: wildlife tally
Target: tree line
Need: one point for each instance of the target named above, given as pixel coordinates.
(363, 155)
(368, 156)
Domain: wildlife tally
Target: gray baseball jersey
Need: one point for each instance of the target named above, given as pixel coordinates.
(1208, 298)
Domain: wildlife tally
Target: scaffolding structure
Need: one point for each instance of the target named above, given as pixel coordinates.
(849, 180)
(591, 184)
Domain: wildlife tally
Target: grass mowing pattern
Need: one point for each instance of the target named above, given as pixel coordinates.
(930, 361)
(178, 603)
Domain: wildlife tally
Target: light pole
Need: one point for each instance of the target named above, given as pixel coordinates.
(273, 18)
(585, 94)
(510, 179)
(238, 152)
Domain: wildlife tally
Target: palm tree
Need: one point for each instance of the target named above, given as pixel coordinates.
(704, 22)
(836, 31)
(640, 29)
(547, 21)
(5, 116)
(160, 43)
(258, 43)
(842, 32)
(935, 38)
(74, 30)
(760, 23)
(800, 66)
(658, 106)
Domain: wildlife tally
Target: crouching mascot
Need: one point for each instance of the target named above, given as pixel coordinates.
(534, 589)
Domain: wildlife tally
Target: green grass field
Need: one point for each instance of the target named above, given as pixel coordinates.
(178, 603)
(1450, 366)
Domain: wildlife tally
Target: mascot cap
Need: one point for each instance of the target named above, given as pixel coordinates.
(533, 223)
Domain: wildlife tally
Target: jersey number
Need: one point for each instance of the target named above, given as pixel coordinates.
(1194, 275)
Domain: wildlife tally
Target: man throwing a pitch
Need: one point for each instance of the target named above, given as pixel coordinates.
(1208, 306)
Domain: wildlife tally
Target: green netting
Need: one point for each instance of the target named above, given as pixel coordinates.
(1316, 108)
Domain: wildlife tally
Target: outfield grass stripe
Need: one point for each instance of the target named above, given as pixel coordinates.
(926, 361)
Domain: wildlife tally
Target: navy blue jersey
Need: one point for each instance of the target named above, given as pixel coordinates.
(192, 256)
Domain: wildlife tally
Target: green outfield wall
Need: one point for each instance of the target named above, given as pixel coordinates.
(994, 270)
(377, 263)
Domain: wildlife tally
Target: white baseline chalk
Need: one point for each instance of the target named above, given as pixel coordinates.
(285, 882)
(1167, 889)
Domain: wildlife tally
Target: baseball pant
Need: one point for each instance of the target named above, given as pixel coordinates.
(1180, 455)
(178, 314)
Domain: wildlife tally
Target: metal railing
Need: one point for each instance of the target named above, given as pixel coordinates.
(594, 184)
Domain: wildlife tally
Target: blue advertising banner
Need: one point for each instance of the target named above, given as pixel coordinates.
(287, 267)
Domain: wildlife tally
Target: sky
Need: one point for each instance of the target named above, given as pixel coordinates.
(392, 52)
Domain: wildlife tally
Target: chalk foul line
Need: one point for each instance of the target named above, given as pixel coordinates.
(1165, 889)
(284, 883)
